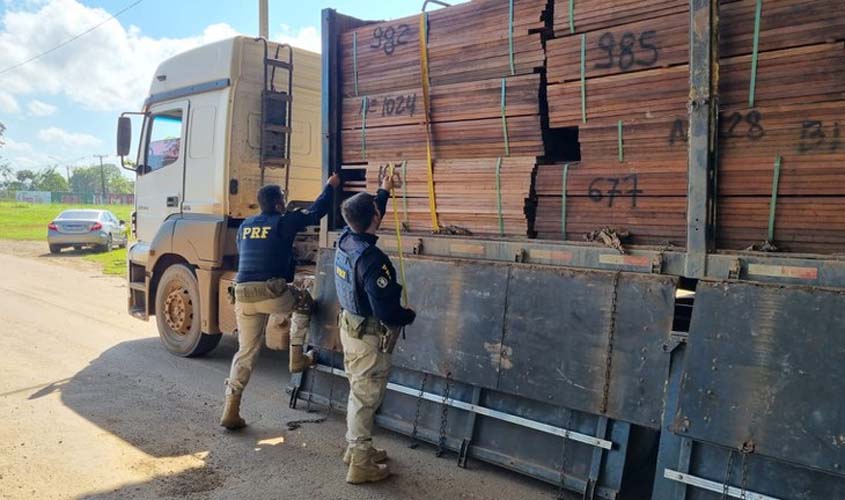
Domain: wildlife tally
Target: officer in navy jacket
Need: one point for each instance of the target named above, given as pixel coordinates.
(265, 268)
(371, 318)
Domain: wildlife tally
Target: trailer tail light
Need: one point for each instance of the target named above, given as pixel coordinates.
(96, 226)
(52, 226)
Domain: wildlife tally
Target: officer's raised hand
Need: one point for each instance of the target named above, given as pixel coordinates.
(335, 181)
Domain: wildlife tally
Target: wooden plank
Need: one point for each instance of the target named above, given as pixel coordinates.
(806, 224)
(810, 139)
(451, 140)
(662, 40)
(466, 42)
(792, 76)
(462, 101)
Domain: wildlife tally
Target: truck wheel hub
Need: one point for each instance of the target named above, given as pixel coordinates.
(178, 310)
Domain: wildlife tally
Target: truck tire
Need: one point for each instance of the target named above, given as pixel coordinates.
(54, 249)
(177, 311)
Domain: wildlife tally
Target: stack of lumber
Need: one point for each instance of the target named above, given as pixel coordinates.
(484, 104)
(635, 72)
(467, 194)
(632, 174)
(466, 121)
(467, 42)
(797, 116)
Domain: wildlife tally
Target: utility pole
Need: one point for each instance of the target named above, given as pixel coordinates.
(102, 176)
(263, 19)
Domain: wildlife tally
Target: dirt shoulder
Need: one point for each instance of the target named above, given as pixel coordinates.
(72, 259)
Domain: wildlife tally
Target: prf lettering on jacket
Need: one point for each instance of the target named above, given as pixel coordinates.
(256, 233)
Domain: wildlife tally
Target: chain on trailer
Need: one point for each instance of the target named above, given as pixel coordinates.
(611, 332)
(444, 417)
(728, 472)
(563, 450)
(414, 442)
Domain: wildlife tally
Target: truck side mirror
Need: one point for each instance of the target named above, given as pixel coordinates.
(124, 135)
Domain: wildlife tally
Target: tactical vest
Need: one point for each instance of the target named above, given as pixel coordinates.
(349, 252)
(263, 255)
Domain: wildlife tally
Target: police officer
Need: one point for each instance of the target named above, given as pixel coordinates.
(370, 321)
(265, 269)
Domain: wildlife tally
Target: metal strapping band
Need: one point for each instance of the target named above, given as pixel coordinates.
(584, 78)
(563, 200)
(620, 144)
(572, 16)
(510, 37)
(355, 59)
(774, 202)
(432, 202)
(758, 12)
(505, 119)
(391, 170)
(499, 195)
(365, 105)
(405, 190)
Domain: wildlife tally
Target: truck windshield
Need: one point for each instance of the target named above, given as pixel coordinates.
(165, 140)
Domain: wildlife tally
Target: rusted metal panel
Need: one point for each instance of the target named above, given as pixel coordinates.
(591, 340)
(460, 311)
(763, 370)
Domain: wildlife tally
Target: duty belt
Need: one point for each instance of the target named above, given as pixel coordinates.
(260, 290)
(359, 326)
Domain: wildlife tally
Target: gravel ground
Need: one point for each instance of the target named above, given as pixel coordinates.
(94, 407)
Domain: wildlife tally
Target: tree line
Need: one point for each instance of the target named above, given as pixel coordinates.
(88, 179)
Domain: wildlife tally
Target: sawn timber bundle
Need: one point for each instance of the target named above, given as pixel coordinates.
(603, 86)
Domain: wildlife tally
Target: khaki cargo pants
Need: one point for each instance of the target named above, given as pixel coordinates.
(254, 303)
(367, 368)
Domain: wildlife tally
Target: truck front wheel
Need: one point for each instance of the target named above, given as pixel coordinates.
(177, 311)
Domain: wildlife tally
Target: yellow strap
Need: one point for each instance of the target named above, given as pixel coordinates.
(391, 170)
(432, 203)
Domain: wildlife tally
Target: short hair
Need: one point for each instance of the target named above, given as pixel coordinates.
(358, 211)
(269, 197)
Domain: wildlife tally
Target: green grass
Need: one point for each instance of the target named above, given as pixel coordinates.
(28, 221)
(113, 262)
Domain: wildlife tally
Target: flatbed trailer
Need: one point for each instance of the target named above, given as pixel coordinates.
(662, 373)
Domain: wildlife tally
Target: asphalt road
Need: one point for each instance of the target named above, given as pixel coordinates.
(93, 407)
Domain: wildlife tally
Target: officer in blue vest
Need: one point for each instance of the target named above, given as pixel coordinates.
(371, 318)
(265, 270)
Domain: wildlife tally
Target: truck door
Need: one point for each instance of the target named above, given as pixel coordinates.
(159, 187)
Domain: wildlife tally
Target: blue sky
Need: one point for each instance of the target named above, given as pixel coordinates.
(66, 104)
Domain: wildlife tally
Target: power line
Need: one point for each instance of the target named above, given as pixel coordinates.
(69, 40)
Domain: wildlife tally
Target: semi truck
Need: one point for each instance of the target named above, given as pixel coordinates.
(680, 371)
(664, 372)
(218, 124)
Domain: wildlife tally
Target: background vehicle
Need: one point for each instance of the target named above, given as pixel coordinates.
(86, 228)
(215, 127)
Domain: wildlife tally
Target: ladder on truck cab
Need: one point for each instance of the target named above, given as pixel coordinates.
(276, 113)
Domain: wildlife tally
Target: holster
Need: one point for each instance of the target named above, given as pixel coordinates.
(388, 340)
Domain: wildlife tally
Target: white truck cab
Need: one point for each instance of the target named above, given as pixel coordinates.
(220, 121)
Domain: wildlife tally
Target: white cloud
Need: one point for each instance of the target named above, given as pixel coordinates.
(39, 108)
(8, 103)
(109, 69)
(307, 38)
(21, 154)
(56, 136)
